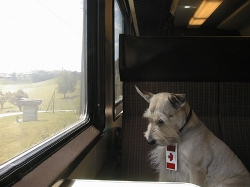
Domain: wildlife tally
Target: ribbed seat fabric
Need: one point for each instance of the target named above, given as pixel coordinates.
(235, 118)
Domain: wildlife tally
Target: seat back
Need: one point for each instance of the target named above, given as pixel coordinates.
(235, 118)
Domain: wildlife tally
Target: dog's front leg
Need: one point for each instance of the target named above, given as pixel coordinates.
(166, 176)
(197, 177)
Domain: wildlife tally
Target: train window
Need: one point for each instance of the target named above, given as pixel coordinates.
(118, 29)
(42, 77)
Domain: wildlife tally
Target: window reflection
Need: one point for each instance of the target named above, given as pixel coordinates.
(118, 29)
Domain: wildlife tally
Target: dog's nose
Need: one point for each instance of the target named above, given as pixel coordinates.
(151, 141)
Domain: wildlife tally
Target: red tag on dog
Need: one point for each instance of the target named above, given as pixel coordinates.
(171, 157)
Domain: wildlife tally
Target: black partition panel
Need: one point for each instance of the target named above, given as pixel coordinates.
(184, 58)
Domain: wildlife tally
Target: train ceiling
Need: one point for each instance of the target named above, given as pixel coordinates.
(150, 17)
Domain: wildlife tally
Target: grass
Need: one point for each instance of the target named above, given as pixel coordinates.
(18, 137)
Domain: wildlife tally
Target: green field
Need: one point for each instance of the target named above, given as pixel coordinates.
(17, 136)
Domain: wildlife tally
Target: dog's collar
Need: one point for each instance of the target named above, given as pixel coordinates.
(187, 120)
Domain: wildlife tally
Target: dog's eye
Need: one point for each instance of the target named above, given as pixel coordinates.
(170, 116)
(160, 121)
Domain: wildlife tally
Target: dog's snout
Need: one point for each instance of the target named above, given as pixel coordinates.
(151, 141)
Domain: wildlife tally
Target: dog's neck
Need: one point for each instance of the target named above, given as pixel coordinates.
(187, 119)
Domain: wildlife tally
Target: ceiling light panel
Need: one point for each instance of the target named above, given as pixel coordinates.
(206, 8)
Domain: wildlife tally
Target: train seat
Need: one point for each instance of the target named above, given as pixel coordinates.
(200, 67)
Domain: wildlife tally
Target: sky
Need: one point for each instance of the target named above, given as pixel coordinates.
(40, 35)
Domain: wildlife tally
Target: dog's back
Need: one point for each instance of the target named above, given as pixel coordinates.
(221, 167)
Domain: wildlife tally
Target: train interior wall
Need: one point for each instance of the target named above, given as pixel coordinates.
(102, 162)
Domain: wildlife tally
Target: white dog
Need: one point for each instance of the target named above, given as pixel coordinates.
(201, 158)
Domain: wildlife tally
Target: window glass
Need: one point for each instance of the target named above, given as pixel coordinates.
(118, 29)
(42, 80)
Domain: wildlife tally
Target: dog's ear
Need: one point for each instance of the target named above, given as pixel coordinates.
(146, 95)
(177, 100)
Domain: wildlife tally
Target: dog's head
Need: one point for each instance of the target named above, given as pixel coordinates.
(166, 115)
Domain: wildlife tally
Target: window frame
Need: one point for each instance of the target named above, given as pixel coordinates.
(129, 30)
(22, 167)
(118, 105)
